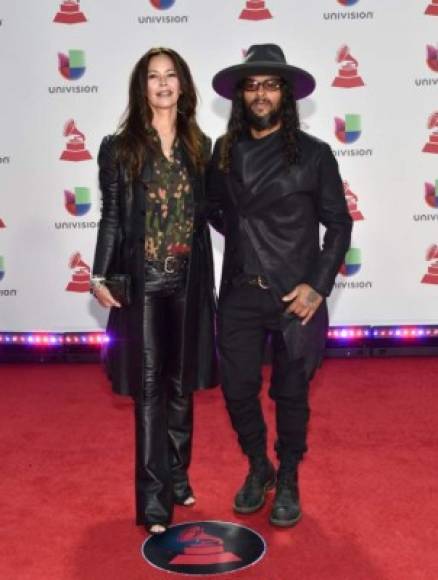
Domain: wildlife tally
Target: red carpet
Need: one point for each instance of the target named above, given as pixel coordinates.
(369, 484)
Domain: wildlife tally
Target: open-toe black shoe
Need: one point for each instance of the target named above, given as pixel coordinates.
(156, 529)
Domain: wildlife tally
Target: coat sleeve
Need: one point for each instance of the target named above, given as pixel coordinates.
(215, 191)
(333, 214)
(109, 180)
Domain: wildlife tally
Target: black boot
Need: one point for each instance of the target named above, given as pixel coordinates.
(261, 478)
(286, 510)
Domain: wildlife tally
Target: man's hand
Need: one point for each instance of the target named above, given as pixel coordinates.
(304, 302)
(104, 297)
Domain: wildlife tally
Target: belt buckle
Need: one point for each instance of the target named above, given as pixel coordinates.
(168, 267)
(260, 283)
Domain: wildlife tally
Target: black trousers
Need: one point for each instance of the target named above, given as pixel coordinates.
(163, 415)
(248, 316)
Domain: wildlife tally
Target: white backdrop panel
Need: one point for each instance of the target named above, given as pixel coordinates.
(385, 167)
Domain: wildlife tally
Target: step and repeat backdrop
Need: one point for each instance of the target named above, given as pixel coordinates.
(65, 67)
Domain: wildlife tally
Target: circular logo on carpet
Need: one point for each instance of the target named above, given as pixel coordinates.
(208, 547)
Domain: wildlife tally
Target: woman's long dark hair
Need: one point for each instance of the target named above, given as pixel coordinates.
(239, 126)
(136, 137)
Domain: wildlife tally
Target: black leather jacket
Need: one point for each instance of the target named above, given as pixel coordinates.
(120, 249)
(281, 211)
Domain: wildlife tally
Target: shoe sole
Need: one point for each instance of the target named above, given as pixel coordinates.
(244, 510)
(285, 523)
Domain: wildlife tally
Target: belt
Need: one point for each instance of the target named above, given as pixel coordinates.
(170, 264)
(256, 280)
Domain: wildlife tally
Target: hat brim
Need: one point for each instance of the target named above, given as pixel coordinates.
(225, 81)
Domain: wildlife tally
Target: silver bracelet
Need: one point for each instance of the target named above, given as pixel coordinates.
(97, 282)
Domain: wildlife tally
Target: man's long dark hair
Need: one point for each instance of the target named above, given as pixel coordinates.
(136, 137)
(238, 126)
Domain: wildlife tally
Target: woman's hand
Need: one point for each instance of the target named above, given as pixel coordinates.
(104, 297)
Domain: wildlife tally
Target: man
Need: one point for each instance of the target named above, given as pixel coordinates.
(270, 187)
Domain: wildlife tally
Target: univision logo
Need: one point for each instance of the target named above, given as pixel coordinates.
(348, 130)
(352, 263)
(432, 57)
(431, 194)
(349, 14)
(351, 266)
(78, 201)
(162, 4)
(165, 19)
(2, 223)
(5, 292)
(72, 65)
(432, 63)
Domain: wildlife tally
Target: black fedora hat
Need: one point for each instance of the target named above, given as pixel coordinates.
(264, 59)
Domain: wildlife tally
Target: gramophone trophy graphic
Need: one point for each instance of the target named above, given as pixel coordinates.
(255, 10)
(69, 13)
(348, 76)
(201, 548)
(352, 199)
(75, 148)
(80, 280)
(432, 9)
(432, 271)
(432, 145)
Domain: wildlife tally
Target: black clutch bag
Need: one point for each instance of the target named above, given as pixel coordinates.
(120, 287)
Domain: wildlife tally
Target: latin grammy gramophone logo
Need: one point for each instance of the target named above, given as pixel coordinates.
(352, 203)
(70, 13)
(432, 124)
(80, 279)
(200, 548)
(348, 76)
(432, 57)
(431, 277)
(75, 149)
(255, 10)
(432, 9)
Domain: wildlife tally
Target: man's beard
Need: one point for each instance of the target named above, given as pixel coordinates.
(261, 123)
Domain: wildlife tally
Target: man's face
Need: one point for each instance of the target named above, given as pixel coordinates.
(262, 95)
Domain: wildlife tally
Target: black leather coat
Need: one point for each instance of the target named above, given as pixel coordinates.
(281, 211)
(120, 250)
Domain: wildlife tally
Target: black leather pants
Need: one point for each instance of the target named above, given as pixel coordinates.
(163, 415)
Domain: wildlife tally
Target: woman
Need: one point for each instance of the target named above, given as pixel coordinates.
(153, 231)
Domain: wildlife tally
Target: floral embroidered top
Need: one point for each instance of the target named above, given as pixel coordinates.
(169, 208)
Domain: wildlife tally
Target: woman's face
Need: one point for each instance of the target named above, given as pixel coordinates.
(163, 86)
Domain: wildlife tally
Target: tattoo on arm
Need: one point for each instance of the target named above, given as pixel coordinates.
(312, 297)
